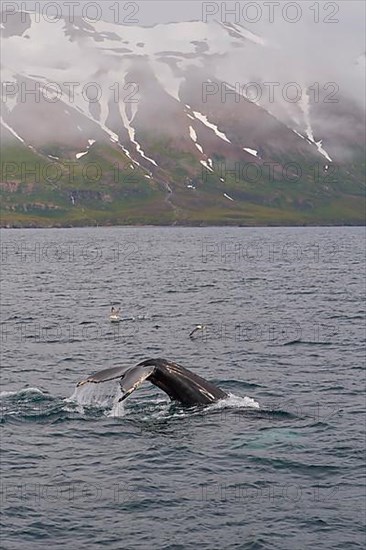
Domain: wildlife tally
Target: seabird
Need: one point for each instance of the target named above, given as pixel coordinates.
(196, 329)
(114, 315)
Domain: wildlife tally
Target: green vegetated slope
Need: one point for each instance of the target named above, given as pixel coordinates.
(105, 187)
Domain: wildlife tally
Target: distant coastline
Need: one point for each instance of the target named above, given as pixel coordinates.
(191, 225)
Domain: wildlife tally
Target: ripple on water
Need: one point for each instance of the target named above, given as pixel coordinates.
(277, 465)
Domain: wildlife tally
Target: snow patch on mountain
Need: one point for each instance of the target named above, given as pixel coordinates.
(131, 133)
(80, 155)
(206, 165)
(304, 104)
(193, 137)
(192, 134)
(251, 151)
(322, 151)
(160, 40)
(205, 121)
(90, 143)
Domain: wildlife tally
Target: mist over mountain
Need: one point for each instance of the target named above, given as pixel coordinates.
(186, 122)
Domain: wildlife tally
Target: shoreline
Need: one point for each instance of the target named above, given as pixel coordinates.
(198, 226)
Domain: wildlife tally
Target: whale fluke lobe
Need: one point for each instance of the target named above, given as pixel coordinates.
(133, 378)
(104, 375)
(179, 383)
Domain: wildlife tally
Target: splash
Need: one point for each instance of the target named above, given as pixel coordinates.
(160, 409)
(118, 409)
(103, 396)
(236, 402)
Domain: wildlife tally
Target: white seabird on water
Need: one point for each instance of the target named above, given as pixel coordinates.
(196, 329)
(114, 315)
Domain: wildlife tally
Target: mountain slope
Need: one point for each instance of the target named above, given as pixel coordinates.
(115, 125)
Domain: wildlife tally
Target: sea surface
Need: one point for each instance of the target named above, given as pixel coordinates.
(277, 465)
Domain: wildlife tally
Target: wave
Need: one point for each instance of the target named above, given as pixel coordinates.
(307, 342)
(31, 405)
(21, 392)
(93, 401)
(102, 400)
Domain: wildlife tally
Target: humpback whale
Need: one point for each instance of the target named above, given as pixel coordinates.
(179, 383)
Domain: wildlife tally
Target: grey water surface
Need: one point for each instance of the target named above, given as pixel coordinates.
(278, 465)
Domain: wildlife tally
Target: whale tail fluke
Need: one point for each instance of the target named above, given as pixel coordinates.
(179, 383)
(133, 378)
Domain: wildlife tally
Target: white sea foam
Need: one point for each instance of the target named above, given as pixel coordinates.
(236, 402)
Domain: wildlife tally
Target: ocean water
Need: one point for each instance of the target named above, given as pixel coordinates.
(277, 465)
